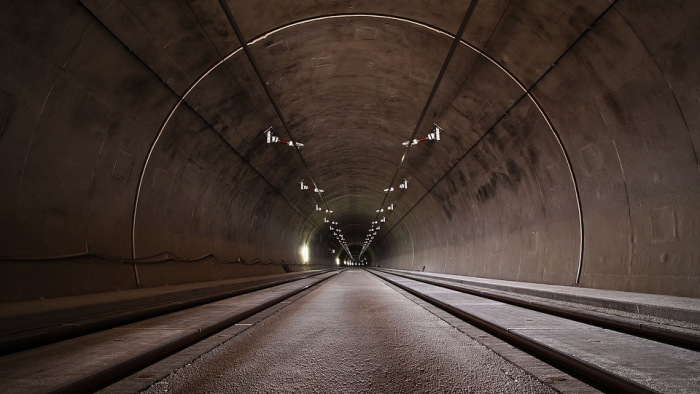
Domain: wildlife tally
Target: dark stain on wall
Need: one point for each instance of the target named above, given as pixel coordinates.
(514, 173)
(510, 175)
(532, 155)
(486, 191)
(462, 178)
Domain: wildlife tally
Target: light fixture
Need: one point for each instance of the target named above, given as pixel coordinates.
(402, 185)
(271, 138)
(305, 253)
(433, 136)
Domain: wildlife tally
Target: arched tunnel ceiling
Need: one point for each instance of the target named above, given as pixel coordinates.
(350, 82)
(568, 152)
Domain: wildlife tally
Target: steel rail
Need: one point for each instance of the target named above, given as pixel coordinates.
(34, 336)
(591, 374)
(121, 370)
(626, 326)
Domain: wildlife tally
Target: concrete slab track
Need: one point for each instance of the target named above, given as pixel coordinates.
(655, 366)
(353, 334)
(84, 363)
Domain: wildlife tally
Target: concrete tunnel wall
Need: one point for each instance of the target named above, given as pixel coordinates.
(128, 130)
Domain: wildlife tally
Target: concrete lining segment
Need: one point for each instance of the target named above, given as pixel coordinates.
(456, 40)
(80, 114)
(481, 52)
(153, 145)
(426, 107)
(292, 137)
(527, 93)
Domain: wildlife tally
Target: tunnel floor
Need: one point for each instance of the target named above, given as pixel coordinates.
(352, 334)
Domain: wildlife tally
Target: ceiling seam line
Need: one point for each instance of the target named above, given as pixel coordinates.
(258, 73)
(528, 93)
(673, 93)
(473, 65)
(525, 94)
(351, 15)
(459, 160)
(221, 53)
(455, 43)
(180, 100)
(402, 19)
(278, 111)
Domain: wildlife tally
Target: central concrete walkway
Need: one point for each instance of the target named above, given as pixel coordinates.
(352, 334)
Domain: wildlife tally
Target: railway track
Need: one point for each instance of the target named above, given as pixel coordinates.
(601, 351)
(24, 331)
(89, 362)
(610, 353)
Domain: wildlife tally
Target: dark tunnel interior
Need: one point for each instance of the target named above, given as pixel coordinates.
(155, 143)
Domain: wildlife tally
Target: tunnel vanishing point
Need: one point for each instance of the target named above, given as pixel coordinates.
(151, 143)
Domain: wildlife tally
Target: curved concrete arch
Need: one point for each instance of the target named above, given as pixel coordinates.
(129, 128)
(155, 142)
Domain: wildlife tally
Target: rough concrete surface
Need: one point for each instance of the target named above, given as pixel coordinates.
(569, 152)
(353, 334)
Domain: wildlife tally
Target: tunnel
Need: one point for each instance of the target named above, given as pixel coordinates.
(155, 143)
